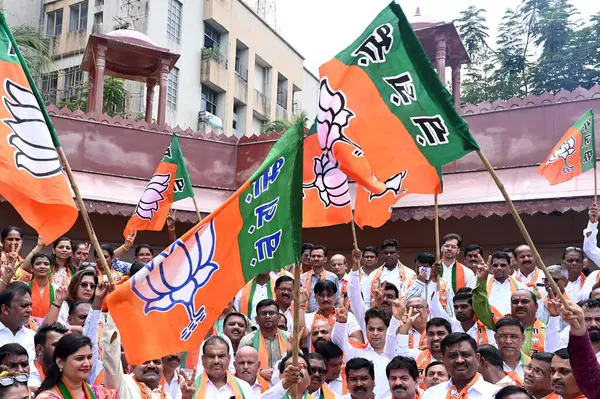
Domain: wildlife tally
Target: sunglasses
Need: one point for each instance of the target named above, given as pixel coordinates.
(9, 380)
(86, 285)
(86, 264)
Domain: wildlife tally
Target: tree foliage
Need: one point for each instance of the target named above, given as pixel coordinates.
(35, 48)
(114, 98)
(541, 46)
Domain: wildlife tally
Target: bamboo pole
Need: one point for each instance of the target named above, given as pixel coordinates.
(354, 232)
(197, 209)
(84, 214)
(296, 330)
(595, 186)
(521, 225)
(436, 222)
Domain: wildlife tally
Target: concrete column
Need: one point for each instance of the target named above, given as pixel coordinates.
(149, 99)
(250, 104)
(91, 90)
(455, 64)
(273, 94)
(162, 95)
(440, 57)
(290, 99)
(100, 65)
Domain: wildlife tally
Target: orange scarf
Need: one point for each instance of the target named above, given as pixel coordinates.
(457, 280)
(422, 340)
(377, 278)
(145, 394)
(423, 361)
(231, 381)
(551, 396)
(40, 370)
(327, 393)
(40, 302)
(248, 296)
(99, 378)
(464, 393)
(443, 288)
(532, 281)
(260, 345)
(490, 285)
(538, 336)
(264, 385)
(306, 279)
(344, 384)
(482, 338)
(515, 376)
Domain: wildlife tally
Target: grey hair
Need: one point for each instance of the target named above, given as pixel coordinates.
(558, 269)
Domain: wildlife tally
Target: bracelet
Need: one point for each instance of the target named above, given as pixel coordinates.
(58, 306)
(125, 248)
(173, 229)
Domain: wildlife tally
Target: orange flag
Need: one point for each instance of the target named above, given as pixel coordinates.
(574, 154)
(31, 177)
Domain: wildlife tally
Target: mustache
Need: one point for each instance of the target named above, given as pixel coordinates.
(396, 387)
(360, 389)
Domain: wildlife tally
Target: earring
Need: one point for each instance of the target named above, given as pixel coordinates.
(60, 369)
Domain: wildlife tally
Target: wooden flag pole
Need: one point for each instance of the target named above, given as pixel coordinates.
(354, 232)
(521, 225)
(84, 214)
(595, 186)
(197, 209)
(436, 221)
(296, 331)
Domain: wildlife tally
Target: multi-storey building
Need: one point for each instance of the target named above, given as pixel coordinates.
(235, 71)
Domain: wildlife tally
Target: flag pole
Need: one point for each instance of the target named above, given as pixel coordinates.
(595, 185)
(521, 225)
(84, 214)
(197, 209)
(296, 329)
(436, 221)
(354, 231)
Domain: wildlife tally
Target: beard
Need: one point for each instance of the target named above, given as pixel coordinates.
(594, 335)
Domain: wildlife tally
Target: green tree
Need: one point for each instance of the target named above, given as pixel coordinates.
(510, 77)
(478, 84)
(35, 48)
(114, 97)
(472, 28)
(281, 125)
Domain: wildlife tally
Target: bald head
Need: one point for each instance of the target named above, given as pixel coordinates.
(246, 364)
(339, 265)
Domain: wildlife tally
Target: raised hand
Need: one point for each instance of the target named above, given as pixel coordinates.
(188, 386)
(573, 314)
(356, 258)
(267, 374)
(291, 375)
(483, 269)
(130, 240)
(102, 289)
(554, 304)
(341, 316)
(436, 270)
(407, 321)
(40, 242)
(60, 294)
(171, 219)
(378, 294)
(593, 213)
(398, 309)
(422, 276)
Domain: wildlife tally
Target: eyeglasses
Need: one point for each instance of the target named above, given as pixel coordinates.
(285, 289)
(86, 264)
(268, 313)
(8, 380)
(85, 285)
(505, 337)
(449, 246)
(536, 372)
(318, 370)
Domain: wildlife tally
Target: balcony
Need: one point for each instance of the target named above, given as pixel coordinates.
(214, 70)
(241, 90)
(218, 11)
(261, 105)
(281, 113)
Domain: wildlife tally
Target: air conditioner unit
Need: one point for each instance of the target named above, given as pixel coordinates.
(210, 119)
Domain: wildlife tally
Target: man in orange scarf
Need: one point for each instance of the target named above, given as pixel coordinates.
(403, 376)
(538, 379)
(246, 368)
(268, 340)
(318, 370)
(459, 353)
(455, 273)
(563, 380)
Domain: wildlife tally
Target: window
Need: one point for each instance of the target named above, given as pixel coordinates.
(209, 100)
(172, 87)
(212, 38)
(174, 21)
(99, 3)
(98, 20)
(78, 17)
(72, 80)
(50, 87)
(54, 23)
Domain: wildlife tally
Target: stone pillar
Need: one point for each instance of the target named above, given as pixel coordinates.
(150, 99)
(100, 64)
(455, 64)
(162, 95)
(91, 90)
(440, 57)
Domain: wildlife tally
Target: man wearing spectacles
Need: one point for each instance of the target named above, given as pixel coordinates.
(318, 370)
(537, 379)
(457, 274)
(284, 294)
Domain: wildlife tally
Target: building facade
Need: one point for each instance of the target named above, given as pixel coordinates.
(234, 74)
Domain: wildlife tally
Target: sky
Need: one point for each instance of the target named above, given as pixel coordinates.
(319, 29)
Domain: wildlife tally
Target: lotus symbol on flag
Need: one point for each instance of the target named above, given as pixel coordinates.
(332, 118)
(566, 149)
(176, 276)
(152, 195)
(34, 149)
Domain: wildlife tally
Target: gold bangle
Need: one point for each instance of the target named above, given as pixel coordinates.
(125, 248)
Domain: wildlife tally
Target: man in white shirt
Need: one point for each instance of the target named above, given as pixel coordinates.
(459, 352)
(429, 282)
(510, 336)
(15, 306)
(527, 272)
(333, 356)
(392, 271)
(172, 376)
(339, 266)
(403, 378)
(260, 287)
(216, 382)
(284, 290)
(246, 368)
(572, 261)
(360, 375)
(501, 285)
(455, 273)
(308, 280)
(590, 247)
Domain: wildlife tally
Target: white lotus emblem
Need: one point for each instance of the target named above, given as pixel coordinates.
(566, 149)
(152, 196)
(34, 149)
(177, 274)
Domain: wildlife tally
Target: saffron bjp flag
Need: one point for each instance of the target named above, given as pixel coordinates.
(574, 154)
(31, 177)
(385, 121)
(170, 183)
(180, 294)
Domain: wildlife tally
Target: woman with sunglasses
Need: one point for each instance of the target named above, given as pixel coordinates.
(66, 377)
(13, 386)
(81, 288)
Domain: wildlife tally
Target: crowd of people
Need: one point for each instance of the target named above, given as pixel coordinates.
(370, 327)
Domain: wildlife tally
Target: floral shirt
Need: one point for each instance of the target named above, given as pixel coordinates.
(120, 266)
